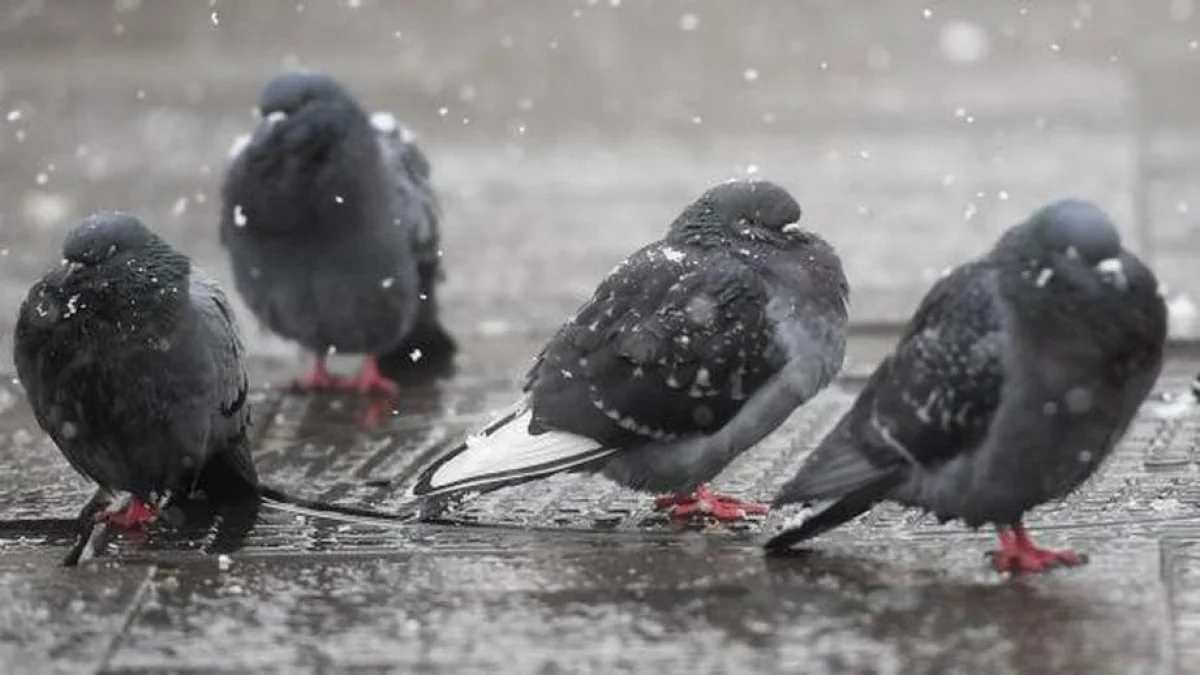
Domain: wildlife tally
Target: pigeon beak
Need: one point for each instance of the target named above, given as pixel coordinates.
(1113, 273)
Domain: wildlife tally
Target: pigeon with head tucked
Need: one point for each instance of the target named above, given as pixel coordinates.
(132, 364)
(689, 352)
(332, 228)
(1015, 378)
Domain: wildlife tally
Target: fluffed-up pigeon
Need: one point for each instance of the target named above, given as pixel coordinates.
(690, 352)
(1015, 378)
(332, 227)
(132, 364)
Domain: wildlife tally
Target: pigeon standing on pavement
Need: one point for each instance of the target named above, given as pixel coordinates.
(689, 352)
(132, 364)
(332, 228)
(1015, 378)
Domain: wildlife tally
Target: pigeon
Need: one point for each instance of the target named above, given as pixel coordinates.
(1015, 378)
(332, 228)
(132, 363)
(690, 352)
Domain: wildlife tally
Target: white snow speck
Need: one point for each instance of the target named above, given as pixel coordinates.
(1044, 277)
(216, 21)
(1079, 400)
(384, 122)
(224, 562)
(673, 254)
(72, 306)
(1181, 313)
(963, 42)
(276, 117)
(69, 430)
(415, 355)
(239, 217)
(339, 199)
(239, 144)
(750, 74)
(387, 282)
(41, 178)
(689, 22)
(1085, 456)
(180, 207)
(13, 115)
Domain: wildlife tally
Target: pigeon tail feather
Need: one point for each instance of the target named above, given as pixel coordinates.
(506, 453)
(845, 509)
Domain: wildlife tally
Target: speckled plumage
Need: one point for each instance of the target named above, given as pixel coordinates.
(132, 364)
(660, 379)
(332, 225)
(1015, 378)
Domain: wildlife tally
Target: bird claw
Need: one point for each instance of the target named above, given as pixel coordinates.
(371, 382)
(705, 503)
(1019, 555)
(138, 515)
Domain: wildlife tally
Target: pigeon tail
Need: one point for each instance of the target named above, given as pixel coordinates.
(835, 469)
(506, 453)
(830, 516)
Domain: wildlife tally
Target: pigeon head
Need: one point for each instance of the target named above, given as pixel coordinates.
(104, 236)
(739, 204)
(114, 266)
(288, 93)
(1074, 234)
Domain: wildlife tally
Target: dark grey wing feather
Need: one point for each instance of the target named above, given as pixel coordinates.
(226, 354)
(414, 203)
(931, 400)
(671, 344)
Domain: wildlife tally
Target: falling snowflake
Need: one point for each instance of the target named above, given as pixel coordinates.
(239, 217)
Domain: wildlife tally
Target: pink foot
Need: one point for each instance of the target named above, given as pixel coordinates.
(1019, 555)
(319, 377)
(704, 502)
(138, 515)
(371, 381)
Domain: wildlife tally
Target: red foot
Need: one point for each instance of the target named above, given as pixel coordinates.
(371, 381)
(1019, 555)
(138, 515)
(319, 377)
(704, 502)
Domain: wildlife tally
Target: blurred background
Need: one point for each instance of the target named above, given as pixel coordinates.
(565, 134)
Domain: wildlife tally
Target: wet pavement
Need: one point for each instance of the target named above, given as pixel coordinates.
(564, 135)
(572, 574)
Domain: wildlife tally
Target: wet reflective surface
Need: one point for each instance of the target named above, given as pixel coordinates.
(575, 575)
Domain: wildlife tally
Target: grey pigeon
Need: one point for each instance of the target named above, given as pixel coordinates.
(689, 352)
(132, 364)
(332, 228)
(1015, 378)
